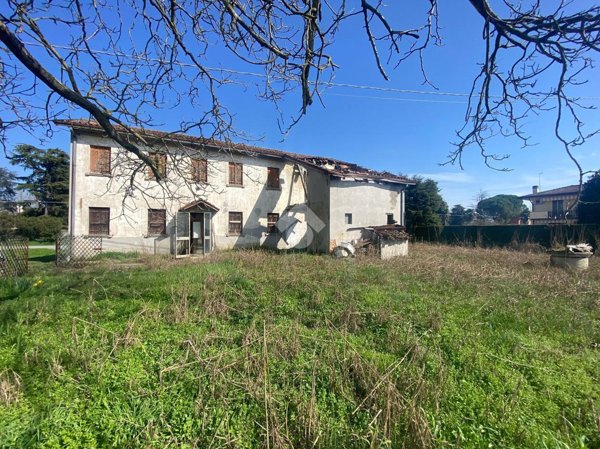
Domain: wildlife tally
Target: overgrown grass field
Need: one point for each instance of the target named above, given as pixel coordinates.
(447, 348)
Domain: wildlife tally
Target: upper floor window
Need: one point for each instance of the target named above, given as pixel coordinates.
(99, 221)
(272, 177)
(558, 208)
(160, 162)
(199, 170)
(390, 219)
(348, 218)
(236, 172)
(157, 221)
(100, 160)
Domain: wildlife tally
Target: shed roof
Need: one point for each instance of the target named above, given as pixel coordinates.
(332, 166)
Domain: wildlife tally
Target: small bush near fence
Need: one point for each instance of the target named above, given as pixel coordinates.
(505, 236)
(32, 228)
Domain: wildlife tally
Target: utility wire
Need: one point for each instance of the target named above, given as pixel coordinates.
(262, 75)
(373, 97)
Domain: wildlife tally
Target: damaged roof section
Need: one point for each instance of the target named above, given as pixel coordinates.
(331, 166)
(343, 169)
(389, 232)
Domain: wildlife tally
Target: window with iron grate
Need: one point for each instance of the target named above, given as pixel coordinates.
(235, 223)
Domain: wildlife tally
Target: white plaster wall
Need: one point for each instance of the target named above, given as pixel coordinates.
(318, 201)
(129, 214)
(368, 202)
(391, 248)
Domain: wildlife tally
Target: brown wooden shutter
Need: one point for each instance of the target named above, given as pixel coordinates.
(273, 177)
(100, 160)
(160, 161)
(236, 174)
(199, 170)
(157, 221)
(99, 221)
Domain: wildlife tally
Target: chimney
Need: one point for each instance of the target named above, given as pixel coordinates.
(535, 189)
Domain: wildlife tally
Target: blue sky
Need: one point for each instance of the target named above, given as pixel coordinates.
(399, 132)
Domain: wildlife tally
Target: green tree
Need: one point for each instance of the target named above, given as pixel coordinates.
(7, 185)
(589, 205)
(48, 179)
(424, 204)
(502, 208)
(536, 56)
(460, 216)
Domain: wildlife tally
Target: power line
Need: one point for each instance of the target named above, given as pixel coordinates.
(373, 97)
(262, 75)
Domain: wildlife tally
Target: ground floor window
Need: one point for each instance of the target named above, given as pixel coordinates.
(99, 221)
(157, 221)
(235, 223)
(272, 220)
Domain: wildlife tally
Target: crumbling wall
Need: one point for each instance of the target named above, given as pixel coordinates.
(393, 248)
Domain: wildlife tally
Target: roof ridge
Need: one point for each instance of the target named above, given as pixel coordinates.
(341, 168)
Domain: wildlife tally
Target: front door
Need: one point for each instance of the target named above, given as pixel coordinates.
(193, 233)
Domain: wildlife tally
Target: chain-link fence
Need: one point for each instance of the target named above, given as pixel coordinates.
(14, 255)
(77, 250)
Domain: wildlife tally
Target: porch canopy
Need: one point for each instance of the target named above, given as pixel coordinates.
(199, 206)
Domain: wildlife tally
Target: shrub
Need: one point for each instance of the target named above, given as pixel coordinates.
(7, 224)
(38, 228)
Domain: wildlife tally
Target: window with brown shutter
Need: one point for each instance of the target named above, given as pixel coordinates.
(235, 223)
(160, 162)
(100, 160)
(272, 220)
(99, 221)
(272, 177)
(157, 221)
(199, 170)
(236, 172)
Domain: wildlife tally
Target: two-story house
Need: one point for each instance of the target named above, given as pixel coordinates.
(218, 195)
(552, 206)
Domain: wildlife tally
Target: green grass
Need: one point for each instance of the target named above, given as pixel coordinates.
(33, 243)
(449, 347)
(41, 255)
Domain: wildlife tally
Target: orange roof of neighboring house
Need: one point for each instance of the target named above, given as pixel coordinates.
(568, 190)
(332, 166)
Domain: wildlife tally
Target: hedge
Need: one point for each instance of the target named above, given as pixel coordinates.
(33, 228)
(510, 235)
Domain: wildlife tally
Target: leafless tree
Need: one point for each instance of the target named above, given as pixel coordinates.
(118, 60)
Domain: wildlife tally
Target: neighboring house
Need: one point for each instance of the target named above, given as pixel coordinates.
(23, 200)
(551, 206)
(218, 195)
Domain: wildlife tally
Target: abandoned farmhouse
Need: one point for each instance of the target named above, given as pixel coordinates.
(216, 195)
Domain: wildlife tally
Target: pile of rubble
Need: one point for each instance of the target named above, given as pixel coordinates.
(572, 256)
(388, 241)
